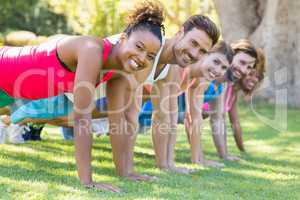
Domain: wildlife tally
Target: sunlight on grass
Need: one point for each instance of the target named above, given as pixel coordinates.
(144, 150)
(270, 169)
(264, 147)
(264, 174)
(19, 189)
(19, 149)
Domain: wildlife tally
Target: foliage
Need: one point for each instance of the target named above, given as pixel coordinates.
(180, 10)
(90, 17)
(31, 15)
(93, 17)
(1, 39)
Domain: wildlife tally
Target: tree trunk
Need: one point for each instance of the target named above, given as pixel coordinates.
(274, 26)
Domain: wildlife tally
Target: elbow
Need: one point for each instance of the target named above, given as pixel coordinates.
(195, 117)
(161, 118)
(79, 116)
(131, 118)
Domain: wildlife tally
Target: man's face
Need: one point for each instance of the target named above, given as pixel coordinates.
(242, 65)
(191, 46)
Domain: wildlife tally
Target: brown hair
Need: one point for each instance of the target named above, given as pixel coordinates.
(260, 70)
(223, 48)
(245, 46)
(148, 15)
(203, 23)
(261, 63)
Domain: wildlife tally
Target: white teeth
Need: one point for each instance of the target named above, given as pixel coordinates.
(211, 75)
(237, 74)
(186, 58)
(134, 64)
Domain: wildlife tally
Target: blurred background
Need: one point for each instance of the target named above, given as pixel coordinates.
(271, 25)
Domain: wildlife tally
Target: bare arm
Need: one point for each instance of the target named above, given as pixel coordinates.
(218, 126)
(173, 114)
(194, 97)
(217, 123)
(236, 128)
(165, 117)
(124, 102)
(87, 71)
(194, 127)
(117, 124)
(160, 123)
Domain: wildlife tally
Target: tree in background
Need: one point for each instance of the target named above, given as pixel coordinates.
(274, 26)
(90, 17)
(178, 11)
(31, 15)
(93, 17)
(107, 17)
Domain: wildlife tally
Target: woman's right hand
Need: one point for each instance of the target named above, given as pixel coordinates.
(103, 186)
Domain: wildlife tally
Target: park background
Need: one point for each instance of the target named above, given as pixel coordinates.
(270, 169)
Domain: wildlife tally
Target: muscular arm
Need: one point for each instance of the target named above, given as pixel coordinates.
(173, 103)
(160, 123)
(165, 115)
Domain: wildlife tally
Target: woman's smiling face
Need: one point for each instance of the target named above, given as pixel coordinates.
(214, 66)
(138, 51)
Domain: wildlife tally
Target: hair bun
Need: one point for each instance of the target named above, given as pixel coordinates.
(148, 11)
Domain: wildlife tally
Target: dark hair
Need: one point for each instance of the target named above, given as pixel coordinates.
(223, 48)
(245, 46)
(203, 23)
(147, 15)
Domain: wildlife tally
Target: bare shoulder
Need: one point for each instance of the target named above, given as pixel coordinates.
(200, 84)
(79, 42)
(127, 82)
(70, 47)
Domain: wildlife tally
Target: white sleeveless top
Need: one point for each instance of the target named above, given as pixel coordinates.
(163, 73)
(100, 90)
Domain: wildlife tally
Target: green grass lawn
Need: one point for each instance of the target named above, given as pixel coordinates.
(270, 170)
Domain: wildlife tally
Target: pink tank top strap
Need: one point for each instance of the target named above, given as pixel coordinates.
(229, 97)
(106, 49)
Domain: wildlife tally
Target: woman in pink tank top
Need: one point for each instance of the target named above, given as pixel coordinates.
(77, 64)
